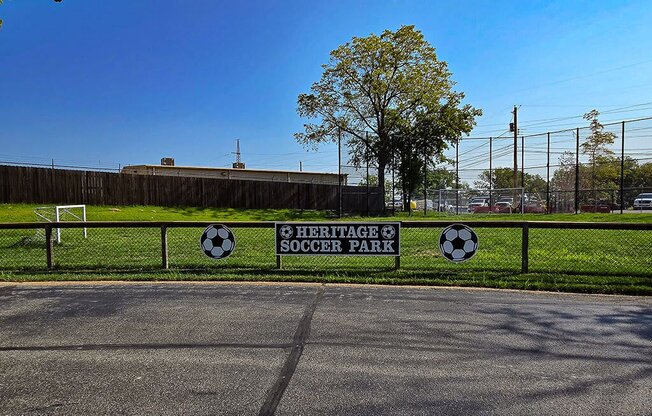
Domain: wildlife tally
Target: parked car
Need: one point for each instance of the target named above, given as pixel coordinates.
(443, 206)
(643, 201)
(604, 207)
(396, 204)
(532, 206)
(478, 201)
(430, 204)
(504, 205)
(457, 209)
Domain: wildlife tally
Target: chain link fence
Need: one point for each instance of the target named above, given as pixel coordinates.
(600, 169)
(504, 247)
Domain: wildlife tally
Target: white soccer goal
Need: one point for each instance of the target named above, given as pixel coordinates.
(62, 213)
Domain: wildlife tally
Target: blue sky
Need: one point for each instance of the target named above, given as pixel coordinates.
(105, 82)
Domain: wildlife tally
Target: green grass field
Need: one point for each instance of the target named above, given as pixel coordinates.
(603, 261)
(25, 213)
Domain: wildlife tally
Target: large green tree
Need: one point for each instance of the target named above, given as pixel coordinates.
(381, 89)
(641, 177)
(438, 178)
(563, 178)
(595, 146)
(503, 178)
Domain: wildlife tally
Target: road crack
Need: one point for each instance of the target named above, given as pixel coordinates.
(275, 393)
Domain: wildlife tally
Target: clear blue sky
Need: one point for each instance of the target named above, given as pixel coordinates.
(106, 82)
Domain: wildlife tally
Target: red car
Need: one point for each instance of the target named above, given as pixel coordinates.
(599, 206)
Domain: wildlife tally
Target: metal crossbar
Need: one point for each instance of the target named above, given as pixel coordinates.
(56, 214)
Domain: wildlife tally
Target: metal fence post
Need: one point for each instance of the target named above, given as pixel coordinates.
(491, 201)
(525, 243)
(457, 176)
(57, 218)
(366, 156)
(48, 246)
(577, 170)
(393, 176)
(408, 171)
(622, 167)
(339, 173)
(548, 177)
(523, 162)
(164, 247)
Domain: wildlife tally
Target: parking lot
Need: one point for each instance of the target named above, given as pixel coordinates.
(308, 349)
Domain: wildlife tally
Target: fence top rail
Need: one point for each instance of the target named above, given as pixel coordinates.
(591, 225)
(135, 224)
(532, 224)
(270, 224)
(473, 223)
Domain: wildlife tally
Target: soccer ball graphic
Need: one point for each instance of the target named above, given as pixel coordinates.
(458, 243)
(388, 232)
(217, 241)
(286, 231)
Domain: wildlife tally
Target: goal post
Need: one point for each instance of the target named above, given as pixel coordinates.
(61, 213)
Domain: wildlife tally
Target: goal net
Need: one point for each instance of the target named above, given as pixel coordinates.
(61, 213)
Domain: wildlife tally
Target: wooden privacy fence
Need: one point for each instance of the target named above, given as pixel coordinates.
(21, 184)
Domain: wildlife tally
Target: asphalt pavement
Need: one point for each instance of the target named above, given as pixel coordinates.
(309, 349)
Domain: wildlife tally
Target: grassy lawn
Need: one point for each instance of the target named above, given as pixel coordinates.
(532, 281)
(25, 213)
(598, 261)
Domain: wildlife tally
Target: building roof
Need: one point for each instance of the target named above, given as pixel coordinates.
(295, 172)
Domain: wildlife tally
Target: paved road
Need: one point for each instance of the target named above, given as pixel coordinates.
(242, 349)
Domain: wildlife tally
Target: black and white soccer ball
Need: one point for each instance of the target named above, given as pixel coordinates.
(458, 243)
(286, 231)
(217, 241)
(388, 232)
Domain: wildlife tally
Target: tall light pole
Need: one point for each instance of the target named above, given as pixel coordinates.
(513, 127)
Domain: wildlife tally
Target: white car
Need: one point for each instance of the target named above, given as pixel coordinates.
(643, 201)
(430, 204)
(396, 204)
(505, 205)
(478, 201)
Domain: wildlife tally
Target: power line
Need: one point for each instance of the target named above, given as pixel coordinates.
(541, 121)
